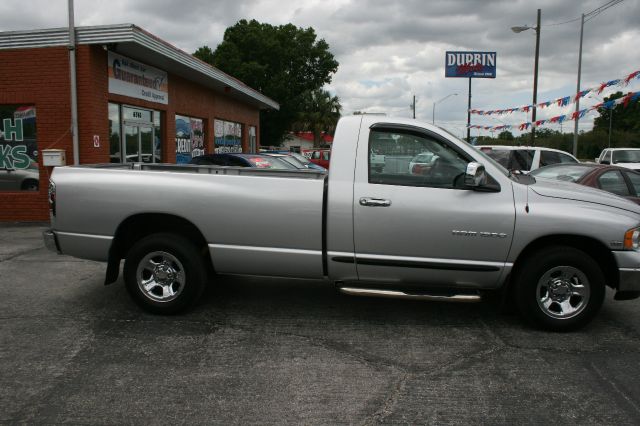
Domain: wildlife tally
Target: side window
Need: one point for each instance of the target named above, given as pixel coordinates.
(414, 159)
(564, 158)
(549, 157)
(635, 182)
(236, 162)
(613, 181)
(315, 155)
(521, 159)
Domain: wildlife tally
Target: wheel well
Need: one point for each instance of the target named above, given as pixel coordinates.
(139, 226)
(594, 248)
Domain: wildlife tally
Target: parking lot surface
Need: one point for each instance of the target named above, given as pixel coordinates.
(273, 351)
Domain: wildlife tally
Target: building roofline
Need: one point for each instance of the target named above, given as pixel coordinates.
(129, 33)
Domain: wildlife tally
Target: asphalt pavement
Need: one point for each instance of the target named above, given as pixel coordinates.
(272, 351)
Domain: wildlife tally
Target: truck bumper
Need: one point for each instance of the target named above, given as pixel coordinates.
(51, 241)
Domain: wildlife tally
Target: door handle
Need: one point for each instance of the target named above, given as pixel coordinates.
(374, 202)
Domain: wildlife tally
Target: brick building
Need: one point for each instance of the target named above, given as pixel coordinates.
(139, 99)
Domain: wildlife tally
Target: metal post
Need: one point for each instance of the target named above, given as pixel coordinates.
(72, 81)
(433, 114)
(469, 114)
(575, 128)
(414, 106)
(610, 119)
(535, 83)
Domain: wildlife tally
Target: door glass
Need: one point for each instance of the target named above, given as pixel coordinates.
(412, 159)
(613, 182)
(635, 181)
(146, 144)
(132, 142)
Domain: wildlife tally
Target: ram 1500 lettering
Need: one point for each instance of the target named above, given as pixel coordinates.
(455, 229)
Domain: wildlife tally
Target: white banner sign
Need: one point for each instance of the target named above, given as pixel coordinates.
(137, 80)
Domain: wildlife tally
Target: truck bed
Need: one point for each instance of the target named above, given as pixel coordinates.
(255, 221)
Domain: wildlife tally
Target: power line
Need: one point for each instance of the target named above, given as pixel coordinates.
(590, 15)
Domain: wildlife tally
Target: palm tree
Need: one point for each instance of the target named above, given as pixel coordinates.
(319, 113)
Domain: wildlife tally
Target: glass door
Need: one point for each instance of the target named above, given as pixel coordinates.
(138, 143)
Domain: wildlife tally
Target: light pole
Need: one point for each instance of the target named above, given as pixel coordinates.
(433, 110)
(610, 119)
(535, 74)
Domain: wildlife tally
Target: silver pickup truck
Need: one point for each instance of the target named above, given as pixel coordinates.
(456, 228)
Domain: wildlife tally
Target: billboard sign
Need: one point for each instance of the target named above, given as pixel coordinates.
(470, 64)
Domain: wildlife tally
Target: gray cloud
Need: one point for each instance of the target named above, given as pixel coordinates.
(389, 51)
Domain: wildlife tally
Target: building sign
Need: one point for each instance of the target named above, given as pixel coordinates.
(18, 148)
(189, 138)
(228, 136)
(470, 64)
(137, 80)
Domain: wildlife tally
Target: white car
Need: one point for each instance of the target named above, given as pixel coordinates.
(624, 157)
(526, 158)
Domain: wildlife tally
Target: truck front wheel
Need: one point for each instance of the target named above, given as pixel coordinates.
(559, 288)
(164, 273)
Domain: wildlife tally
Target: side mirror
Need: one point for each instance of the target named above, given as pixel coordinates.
(475, 176)
(597, 160)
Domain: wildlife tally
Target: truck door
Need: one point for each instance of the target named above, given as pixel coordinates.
(416, 224)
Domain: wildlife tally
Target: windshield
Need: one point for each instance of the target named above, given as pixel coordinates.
(569, 173)
(269, 163)
(626, 156)
(301, 158)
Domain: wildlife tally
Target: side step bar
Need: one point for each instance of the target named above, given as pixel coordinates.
(395, 294)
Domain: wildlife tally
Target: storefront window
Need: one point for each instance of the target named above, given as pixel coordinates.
(114, 133)
(189, 138)
(228, 136)
(18, 148)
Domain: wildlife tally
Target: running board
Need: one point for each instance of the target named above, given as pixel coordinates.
(395, 294)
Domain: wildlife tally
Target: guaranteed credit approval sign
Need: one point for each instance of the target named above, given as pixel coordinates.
(470, 64)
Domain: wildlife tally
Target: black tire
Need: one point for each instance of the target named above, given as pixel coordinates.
(30, 185)
(173, 268)
(559, 288)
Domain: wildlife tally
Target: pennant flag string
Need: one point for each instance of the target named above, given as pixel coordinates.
(625, 100)
(564, 101)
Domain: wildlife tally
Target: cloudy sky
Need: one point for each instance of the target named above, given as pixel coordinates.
(390, 51)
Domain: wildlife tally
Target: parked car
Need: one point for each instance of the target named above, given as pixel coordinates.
(27, 179)
(261, 161)
(623, 157)
(618, 180)
(526, 158)
(321, 157)
(298, 159)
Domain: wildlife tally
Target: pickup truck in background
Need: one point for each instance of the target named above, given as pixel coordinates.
(628, 158)
(460, 229)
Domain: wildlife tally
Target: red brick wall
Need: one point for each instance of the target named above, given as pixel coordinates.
(41, 77)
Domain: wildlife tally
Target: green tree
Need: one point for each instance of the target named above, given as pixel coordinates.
(319, 113)
(626, 119)
(505, 135)
(205, 54)
(282, 62)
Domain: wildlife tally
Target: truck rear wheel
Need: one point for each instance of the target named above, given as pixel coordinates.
(164, 273)
(559, 288)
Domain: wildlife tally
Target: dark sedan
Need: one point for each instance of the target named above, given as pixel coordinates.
(618, 180)
(243, 160)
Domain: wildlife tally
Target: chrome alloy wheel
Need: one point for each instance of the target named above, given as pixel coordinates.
(160, 276)
(563, 292)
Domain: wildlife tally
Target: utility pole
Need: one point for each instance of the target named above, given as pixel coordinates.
(535, 83)
(413, 106)
(575, 128)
